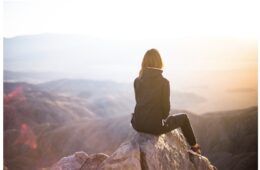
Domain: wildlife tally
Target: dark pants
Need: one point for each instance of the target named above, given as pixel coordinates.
(180, 121)
(172, 122)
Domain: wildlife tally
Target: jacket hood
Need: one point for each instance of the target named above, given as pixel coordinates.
(152, 72)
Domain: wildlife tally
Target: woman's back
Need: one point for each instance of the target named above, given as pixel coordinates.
(152, 100)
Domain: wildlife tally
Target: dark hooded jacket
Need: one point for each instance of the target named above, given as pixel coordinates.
(152, 95)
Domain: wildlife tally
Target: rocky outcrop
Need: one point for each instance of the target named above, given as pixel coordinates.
(143, 152)
(79, 160)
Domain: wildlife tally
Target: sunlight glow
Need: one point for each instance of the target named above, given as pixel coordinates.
(133, 19)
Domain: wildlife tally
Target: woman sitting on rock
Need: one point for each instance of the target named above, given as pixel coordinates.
(152, 95)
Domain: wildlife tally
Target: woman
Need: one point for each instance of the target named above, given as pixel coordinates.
(152, 95)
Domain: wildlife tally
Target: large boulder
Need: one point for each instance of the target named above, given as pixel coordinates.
(79, 160)
(142, 152)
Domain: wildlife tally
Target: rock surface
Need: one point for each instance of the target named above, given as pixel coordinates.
(79, 160)
(143, 152)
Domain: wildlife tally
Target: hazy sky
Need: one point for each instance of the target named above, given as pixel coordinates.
(131, 19)
(208, 47)
(224, 31)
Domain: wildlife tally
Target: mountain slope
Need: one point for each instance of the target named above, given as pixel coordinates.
(26, 103)
(229, 138)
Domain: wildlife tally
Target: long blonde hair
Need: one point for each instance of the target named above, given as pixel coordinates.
(152, 59)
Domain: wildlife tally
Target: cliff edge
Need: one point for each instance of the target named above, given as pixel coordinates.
(142, 152)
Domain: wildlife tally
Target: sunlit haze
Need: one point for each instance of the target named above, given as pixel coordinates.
(208, 48)
(133, 19)
(71, 85)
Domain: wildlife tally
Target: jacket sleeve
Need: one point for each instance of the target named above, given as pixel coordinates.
(166, 99)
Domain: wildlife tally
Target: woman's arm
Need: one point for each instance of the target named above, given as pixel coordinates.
(166, 99)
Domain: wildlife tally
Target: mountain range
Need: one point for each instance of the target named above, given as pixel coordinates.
(44, 122)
